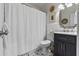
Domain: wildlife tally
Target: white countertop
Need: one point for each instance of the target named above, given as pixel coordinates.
(67, 33)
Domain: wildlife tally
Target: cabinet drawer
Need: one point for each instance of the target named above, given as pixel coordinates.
(65, 38)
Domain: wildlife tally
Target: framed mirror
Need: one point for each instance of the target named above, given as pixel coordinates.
(68, 17)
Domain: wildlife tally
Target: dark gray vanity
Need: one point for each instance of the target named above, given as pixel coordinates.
(64, 44)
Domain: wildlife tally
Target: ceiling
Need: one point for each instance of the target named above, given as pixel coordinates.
(42, 6)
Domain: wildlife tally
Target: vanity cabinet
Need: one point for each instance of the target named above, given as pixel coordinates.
(64, 45)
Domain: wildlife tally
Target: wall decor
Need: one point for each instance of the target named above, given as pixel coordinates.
(52, 17)
(52, 8)
(52, 13)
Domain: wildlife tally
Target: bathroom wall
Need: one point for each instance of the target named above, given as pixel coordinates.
(54, 25)
(51, 26)
(78, 33)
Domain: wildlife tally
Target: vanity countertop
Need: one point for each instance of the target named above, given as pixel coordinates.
(67, 33)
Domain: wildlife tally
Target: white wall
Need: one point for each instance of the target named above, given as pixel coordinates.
(54, 26)
(78, 32)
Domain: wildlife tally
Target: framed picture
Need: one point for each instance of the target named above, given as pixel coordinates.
(52, 14)
(51, 17)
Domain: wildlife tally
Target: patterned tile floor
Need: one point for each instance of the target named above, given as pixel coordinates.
(38, 52)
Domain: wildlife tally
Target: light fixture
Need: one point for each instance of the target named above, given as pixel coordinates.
(75, 3)
(65, 5)
(68, 4)
(61, 6)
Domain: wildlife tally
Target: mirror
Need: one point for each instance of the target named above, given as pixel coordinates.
(64, 21)
(68, 17)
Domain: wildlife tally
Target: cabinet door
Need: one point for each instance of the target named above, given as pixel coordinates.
(59, 48)
(56, 46)
(70, 50)
(63, 49)
(65, 45)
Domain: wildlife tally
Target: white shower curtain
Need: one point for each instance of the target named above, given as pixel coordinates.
(27, 27)
(1, 23)
(11, 17)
